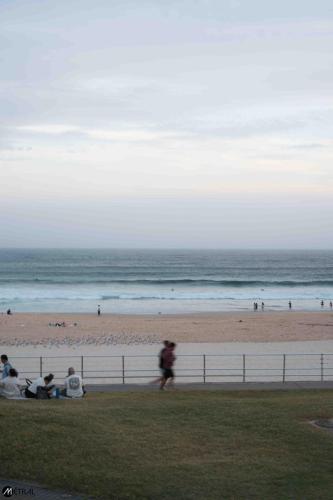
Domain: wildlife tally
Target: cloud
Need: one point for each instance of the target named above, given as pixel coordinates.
(126, 135)
(164, 98)
(311, 146)
(52, 129)
(261, 120)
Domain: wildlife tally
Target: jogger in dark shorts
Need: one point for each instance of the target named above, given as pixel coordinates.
(168, 373)
(160, 363)
(168, 359)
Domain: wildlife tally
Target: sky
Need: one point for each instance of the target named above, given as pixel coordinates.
(179, 124)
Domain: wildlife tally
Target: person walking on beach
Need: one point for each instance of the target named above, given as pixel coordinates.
(98, 310)
(290, 305)
(262, 306)
(322, 303)
(168, 362)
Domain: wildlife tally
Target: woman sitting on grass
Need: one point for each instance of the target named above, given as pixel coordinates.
(10, 385)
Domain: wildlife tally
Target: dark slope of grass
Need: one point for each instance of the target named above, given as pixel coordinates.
(179, 445)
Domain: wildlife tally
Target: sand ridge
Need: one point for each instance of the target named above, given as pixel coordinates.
(35, 329)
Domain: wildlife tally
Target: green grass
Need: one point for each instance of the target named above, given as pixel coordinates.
(173, 445)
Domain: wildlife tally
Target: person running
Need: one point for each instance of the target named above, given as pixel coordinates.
(6, 366)
(167, 363)
(160, 362)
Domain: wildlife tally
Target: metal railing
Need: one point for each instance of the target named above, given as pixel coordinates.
(191, 368)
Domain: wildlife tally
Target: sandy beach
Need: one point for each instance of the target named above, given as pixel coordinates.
(102, 341)
(109, 329)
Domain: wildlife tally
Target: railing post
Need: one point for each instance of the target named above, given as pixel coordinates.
(284, 369)
(244, 368)
(41, 366)
(204, 368)
(123, 367)
(82, 367)
(322, 367)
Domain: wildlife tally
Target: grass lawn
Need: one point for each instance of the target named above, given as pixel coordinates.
(173, 445)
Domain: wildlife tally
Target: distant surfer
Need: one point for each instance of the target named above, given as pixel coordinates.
(99, 310)
(290, 304)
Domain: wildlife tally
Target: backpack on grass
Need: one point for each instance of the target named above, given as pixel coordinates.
(43, 392)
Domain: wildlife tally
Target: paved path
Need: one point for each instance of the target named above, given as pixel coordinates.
(227, 386)
(23, 490)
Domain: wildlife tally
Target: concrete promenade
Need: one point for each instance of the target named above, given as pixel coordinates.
(227, 386)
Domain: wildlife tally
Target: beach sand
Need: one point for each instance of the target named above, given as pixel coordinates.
(110, 329)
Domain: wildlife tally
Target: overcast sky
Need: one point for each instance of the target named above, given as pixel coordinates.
(183, 123)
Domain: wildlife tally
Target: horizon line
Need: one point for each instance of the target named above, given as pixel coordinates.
(296, 249)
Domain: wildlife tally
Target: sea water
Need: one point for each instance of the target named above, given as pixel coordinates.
(163, 281)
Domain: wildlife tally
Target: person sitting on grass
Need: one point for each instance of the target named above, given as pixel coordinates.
(10, 386)
(40, 387)
(6, 366)
(74, 387)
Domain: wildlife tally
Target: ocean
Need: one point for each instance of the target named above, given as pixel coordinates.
(163, 281)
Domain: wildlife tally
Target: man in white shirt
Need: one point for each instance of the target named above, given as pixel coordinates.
(73, 385)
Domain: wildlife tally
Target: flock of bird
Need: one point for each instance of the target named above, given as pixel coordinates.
(105, 339)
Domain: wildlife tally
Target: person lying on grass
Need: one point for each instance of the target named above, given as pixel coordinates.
(41, 388)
